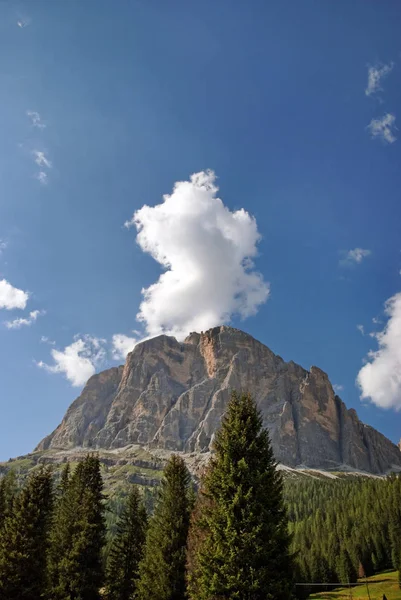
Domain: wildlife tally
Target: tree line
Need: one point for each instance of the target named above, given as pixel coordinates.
(242, 535)
(346, 528)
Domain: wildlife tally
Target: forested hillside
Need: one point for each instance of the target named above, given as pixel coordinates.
(343, 529)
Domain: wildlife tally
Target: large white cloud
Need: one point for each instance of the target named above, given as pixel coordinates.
(12, 297)
(206, 251)
(380, 378)
(78, 361)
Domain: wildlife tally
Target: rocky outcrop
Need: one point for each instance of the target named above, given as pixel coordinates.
(171, 395)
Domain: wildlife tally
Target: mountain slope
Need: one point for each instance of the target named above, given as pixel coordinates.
(172, 395)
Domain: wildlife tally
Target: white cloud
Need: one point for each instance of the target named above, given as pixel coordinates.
(27, 321)
(11, 297)
(41, 159)
(45, 340)
(375, 76)
(42, 177)
(3, 246)
(361, 329)
(121, 345)
(78, 361)
(206, 251)
(380, 378)
(22, 23)
(338, 388)
(355, 256)
(36, 119)
(383, 128)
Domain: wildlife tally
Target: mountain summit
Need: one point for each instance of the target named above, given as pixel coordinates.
(172, 395)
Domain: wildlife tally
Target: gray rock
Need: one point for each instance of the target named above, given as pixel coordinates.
(172, 396)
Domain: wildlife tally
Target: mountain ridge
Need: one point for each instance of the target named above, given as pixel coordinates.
(171, 395)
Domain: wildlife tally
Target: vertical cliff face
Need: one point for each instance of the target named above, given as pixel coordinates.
(172, 395)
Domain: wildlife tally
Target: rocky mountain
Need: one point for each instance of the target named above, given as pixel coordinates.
(171, 396)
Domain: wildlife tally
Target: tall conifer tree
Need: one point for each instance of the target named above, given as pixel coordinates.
(127, 549)
(163, 568)
(8, 490)
(243, 531)
(24, 540)
(78, 532)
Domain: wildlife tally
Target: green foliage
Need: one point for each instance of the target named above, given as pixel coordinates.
(399, 572)
(358, 516)
(242, 542)
(395, 522)
(24, 539)
(346, 569)
(163, 568)
(8, 490)
(78, 532)
(127, 549)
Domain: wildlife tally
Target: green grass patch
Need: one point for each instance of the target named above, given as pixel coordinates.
(383, 583)
(20, 464)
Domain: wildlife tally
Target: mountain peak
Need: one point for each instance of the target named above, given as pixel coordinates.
(172, 395)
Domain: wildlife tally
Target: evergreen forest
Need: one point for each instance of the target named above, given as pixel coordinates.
(244, 531)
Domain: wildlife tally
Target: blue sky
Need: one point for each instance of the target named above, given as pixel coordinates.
(106, 105)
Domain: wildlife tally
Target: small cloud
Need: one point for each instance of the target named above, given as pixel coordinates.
(338, 388)
(45, 340)
(41, 159)
(375, 75)
(42, 177)
(78, 361)
(36, 119)
(22, 23)
(25, 322)
(121, 345)
(383, 128)
(361, 329)
(12, 297)
(3, 246)
(376, 320)
(355, 256)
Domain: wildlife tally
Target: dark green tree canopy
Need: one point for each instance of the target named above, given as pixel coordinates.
(127, 549)
(24, 540)
(163, 568)
(244, 541)
(78, 535)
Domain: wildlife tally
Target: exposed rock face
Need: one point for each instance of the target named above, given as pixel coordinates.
(172, 395)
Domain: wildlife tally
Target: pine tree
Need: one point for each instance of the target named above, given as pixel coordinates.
(395, 521)
(24, 540)
(127, 549)
(78, 532)
(64, 479)
(163, 568)
(346, 570)
(399, 571)
(8, 490)
(244, 550)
